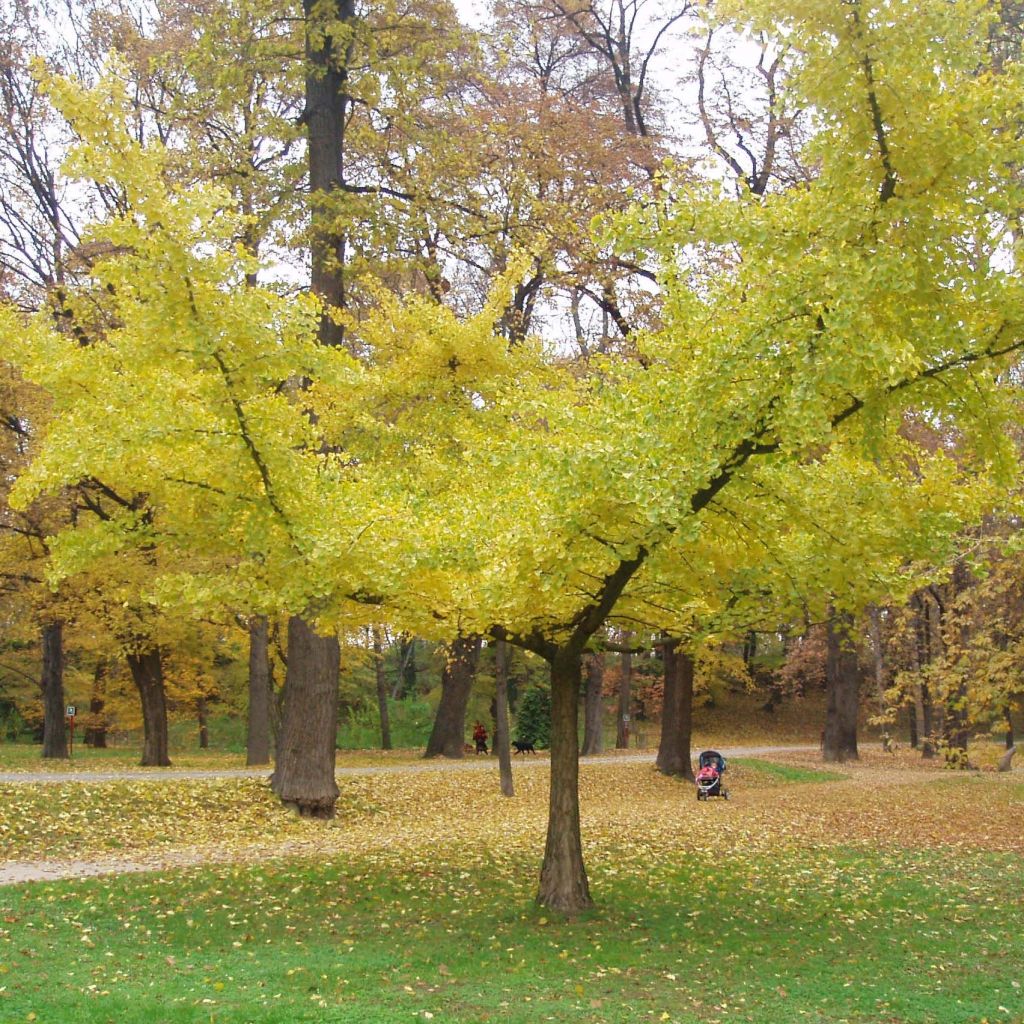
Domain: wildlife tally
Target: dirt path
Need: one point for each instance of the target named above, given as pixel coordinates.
(19, 872)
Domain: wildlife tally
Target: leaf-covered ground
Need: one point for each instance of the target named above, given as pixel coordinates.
(878, 802)
(888, 896)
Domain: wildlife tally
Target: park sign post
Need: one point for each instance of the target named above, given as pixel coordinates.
(70, 713)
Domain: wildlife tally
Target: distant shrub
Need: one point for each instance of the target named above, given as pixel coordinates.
(533, 717)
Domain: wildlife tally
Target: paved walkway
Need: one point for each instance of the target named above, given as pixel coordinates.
(18, 872)
(470, 763)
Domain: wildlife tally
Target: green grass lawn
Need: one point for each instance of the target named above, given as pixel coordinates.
(816, 936)
(874, 896)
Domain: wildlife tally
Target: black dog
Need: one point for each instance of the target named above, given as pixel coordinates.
(523, 747)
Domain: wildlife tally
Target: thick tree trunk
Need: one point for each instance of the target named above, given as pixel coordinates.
(625, 689)
(96, 730)
(382, 690)
(674, 757)
(593, 705)
(257, 740)
(304, 775)
(563, 877)
(203, 719)
(148, 675)
(55, 740)
(448, 735)
(501, 726)
(842, 692)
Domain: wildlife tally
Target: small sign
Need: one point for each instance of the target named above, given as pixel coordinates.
(625, 718)
(72, 711)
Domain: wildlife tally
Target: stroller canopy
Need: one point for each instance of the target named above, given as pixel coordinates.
(711, 758)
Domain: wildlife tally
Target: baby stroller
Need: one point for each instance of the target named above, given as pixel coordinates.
(710, 769)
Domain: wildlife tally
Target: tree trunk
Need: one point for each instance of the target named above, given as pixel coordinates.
(448, 735)
(96, 730)
(842, 691)
(563, 877)
(674, 756)
(148, 675)
(55, 740)
(257, 740)
(382, 690)
(923, 656)
(878, 656)
(204, 723)
(1009, 737)
(593, 705)
(304, 775)
(912, 727)
(955, 730)
(501, 726)
(406, 682)
(327, 99)
(625, 686)
(923, 719)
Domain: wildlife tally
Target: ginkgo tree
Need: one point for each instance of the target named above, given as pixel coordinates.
(789, 320)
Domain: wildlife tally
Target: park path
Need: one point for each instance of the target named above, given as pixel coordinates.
(18, 872)
(469, 764)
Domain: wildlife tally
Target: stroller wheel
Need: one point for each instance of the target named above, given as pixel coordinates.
(725, 794)
(700, 795)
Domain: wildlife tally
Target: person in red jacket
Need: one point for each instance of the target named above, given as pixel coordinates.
(480, 738)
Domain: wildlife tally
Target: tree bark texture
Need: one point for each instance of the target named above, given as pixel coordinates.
(842, 691)
(148, 676)
(447, 738)
(593, 705)
(257, 740)
(625, 688)
(55, 740)
(563, 877)
(304, 775)
(500, 745)
(382, 690)
(96, 730)
(325, 117)
(674, 756)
